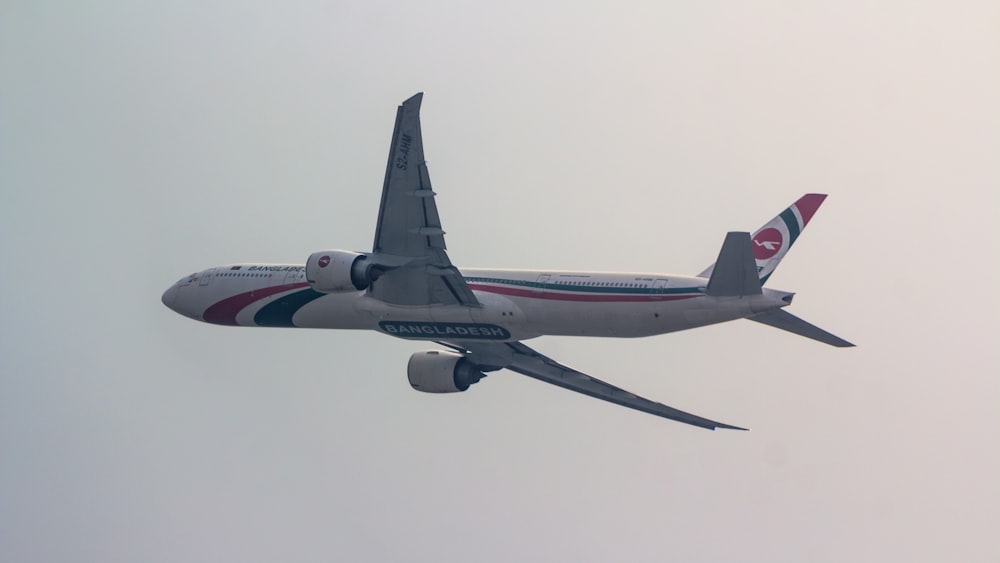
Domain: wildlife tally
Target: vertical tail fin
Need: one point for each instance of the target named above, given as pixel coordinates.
(772, 241)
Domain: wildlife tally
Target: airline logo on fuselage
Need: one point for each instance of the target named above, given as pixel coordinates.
(273, 268)
(437, 331)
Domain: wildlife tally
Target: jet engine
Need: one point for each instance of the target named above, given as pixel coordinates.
(331, 271)
(439, 371)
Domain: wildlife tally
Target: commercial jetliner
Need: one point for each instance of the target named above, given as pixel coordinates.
(407, 287)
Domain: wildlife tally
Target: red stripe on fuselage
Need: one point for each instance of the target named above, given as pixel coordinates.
(583, 297)
(224, 312)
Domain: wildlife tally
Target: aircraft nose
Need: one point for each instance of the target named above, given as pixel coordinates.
(170, 296)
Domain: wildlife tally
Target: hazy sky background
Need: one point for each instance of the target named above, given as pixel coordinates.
(142, 141)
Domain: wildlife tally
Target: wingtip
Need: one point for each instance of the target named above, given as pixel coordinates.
(730, 427)
(414, 99)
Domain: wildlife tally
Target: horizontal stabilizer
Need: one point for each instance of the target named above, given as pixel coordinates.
(779, 318)
(735, 273)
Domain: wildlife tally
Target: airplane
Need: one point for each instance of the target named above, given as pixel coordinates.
(407, 287)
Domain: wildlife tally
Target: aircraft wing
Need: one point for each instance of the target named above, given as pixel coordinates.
(409, 240)
(519, 358)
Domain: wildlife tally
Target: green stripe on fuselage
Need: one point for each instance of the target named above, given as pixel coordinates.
(280, 311)
(586, 288)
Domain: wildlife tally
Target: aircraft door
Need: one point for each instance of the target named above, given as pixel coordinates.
(659, 287)
(291, 277)
(541, 282)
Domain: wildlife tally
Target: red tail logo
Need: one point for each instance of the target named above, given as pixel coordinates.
(767, 243)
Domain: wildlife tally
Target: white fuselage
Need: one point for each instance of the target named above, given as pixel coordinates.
(516, 304)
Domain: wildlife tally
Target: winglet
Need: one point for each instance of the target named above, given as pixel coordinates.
(413, 100)
(735, 273)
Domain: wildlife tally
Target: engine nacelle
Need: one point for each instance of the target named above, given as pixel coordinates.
(440, 371)
(331, 271)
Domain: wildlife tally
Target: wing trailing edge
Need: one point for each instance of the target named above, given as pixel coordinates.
(521, 359)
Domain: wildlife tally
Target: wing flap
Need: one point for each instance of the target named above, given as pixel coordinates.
(523, 360)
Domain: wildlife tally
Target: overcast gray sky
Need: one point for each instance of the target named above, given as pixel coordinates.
(141, 141)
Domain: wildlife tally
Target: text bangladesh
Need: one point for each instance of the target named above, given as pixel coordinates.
(415, 329)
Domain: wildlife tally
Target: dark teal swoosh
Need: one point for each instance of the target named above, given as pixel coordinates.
(788, 216)
(224, 312)
(280, 311)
